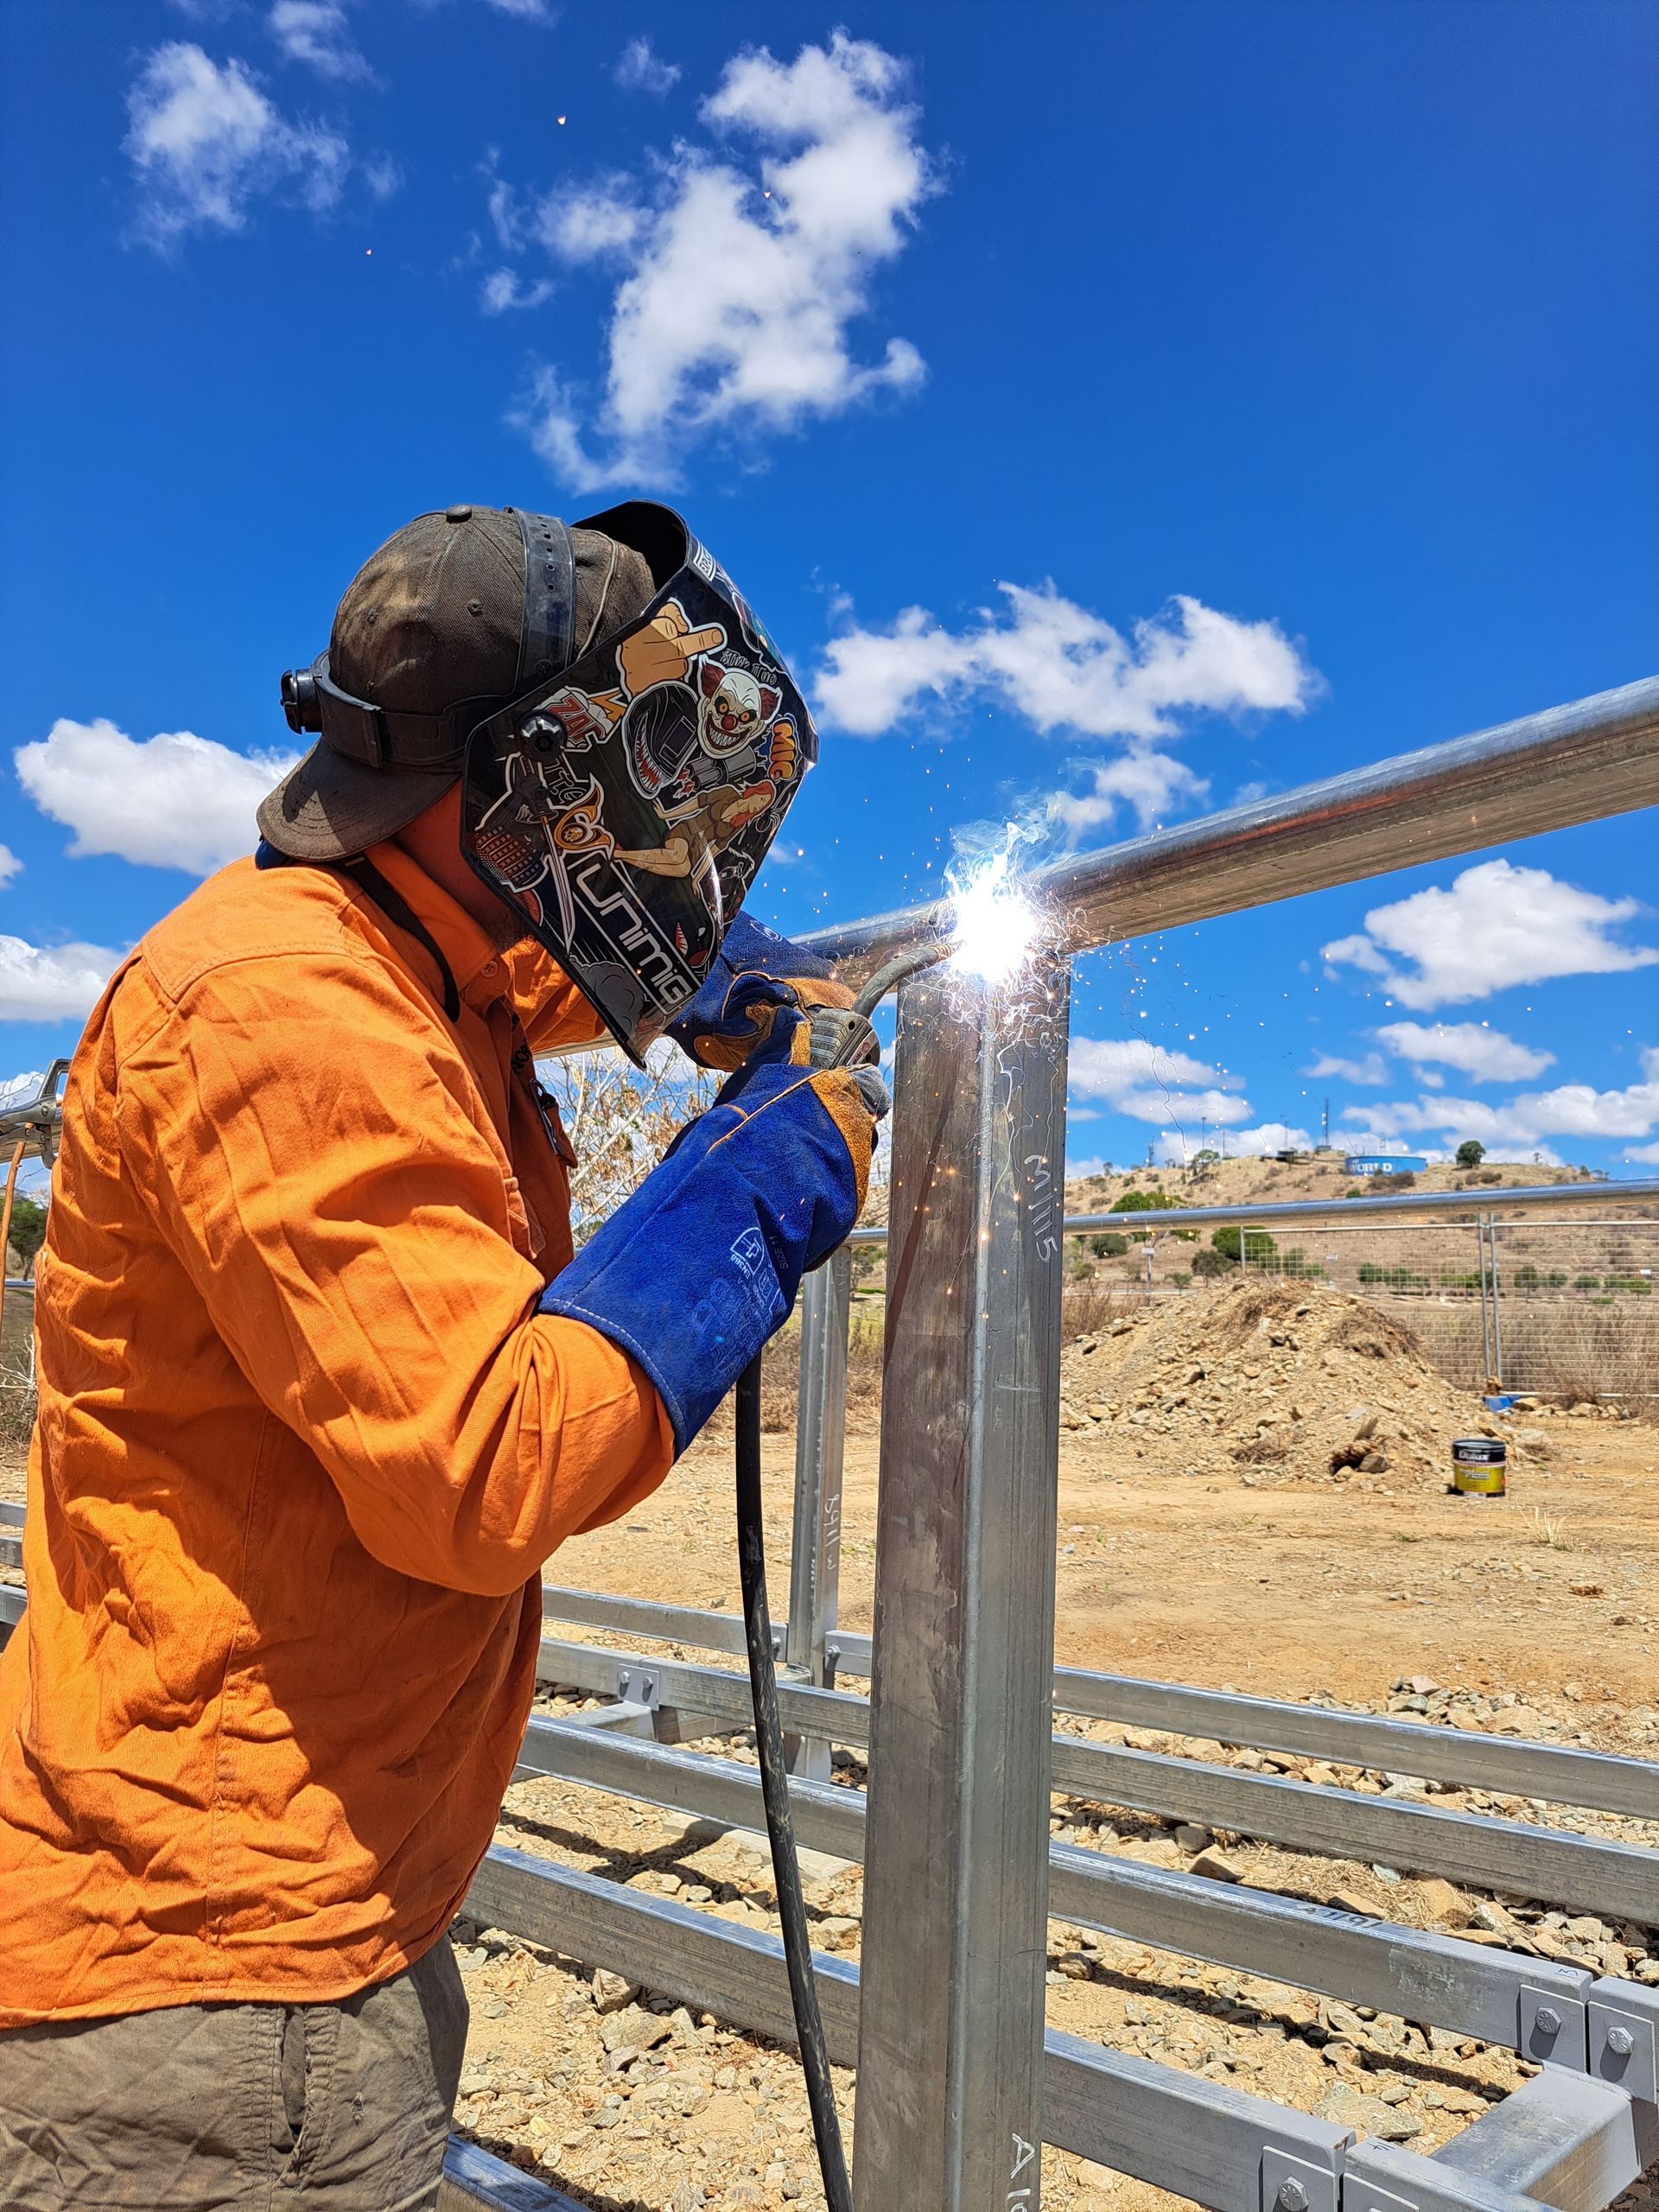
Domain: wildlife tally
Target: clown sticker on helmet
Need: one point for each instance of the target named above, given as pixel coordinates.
(623, 809)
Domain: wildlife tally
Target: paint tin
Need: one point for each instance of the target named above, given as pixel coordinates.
(1478, 1466)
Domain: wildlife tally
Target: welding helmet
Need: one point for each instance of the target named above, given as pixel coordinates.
(622, 807)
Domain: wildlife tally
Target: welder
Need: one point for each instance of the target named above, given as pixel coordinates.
(323, 1383)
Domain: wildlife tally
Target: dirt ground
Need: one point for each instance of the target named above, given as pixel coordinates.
(1537, 1615)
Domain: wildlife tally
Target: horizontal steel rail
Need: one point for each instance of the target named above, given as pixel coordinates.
(1593, 1873)
(1419, 1974)
(1179, 2130)
(1597, 757)
(1560, 1774)
(1341, 1212)
(474, 2182)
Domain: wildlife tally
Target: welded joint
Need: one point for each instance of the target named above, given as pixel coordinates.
(1293, 2185)
(1551, 2030)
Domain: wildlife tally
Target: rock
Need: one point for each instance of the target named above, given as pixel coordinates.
(1586, 1589)
(1348, 2107)
(1444, 1904)
(1352, 1901)
(493, 2009)
(611, 1990)
(1091, 2176)
(634, 2029)
(1191, 1837)
(1216, 1866)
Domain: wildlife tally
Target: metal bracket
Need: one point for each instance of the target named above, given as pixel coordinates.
(1551, 2030)
(1292, 2184)
(637, 1686)
(1624, 2051)
(1361, 2193)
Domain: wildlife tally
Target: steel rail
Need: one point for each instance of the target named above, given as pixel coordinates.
(1417, 1975)
(1342, 1211)
(1515, 1856)
(1561, 1774)
(473, 2180)
(1578, 763)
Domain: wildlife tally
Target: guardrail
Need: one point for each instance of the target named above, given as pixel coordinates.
(958, 2082)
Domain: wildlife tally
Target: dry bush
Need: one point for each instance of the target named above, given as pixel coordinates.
(621, 1120)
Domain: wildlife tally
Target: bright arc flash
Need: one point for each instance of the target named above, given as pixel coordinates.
(993, 923)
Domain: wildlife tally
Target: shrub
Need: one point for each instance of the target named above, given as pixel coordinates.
(1259, 1246)
(1207, 1264)
(1108, 1245)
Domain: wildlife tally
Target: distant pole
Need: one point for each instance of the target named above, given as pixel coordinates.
(6, 1222)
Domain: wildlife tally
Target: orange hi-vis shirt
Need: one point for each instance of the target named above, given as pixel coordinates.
(304, 1443)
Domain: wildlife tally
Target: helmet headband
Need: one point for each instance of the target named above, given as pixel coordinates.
(622, 807)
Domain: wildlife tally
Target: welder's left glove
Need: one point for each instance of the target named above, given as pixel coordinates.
(701, 1264)
(752, 975)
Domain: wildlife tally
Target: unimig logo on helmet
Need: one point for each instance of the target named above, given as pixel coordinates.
(647, 778)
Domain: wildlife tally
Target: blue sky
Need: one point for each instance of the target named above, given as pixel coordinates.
(1112, 410)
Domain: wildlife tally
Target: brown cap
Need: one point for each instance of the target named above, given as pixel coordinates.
(431, 618)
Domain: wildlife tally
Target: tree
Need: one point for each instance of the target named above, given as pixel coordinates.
(1207, 1264)
(1143, 1202)
(27, 1230)
(1471, 1153)
(1109, 1245)
(1259, 1246)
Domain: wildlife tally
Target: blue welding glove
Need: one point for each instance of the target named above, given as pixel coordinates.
(700, 1266)
(755, 973)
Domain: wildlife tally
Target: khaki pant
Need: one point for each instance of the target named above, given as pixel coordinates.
(340, 2108)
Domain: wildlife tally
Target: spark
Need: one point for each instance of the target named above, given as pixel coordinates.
(995, 924)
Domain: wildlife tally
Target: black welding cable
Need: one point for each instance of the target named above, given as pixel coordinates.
(774, 1789)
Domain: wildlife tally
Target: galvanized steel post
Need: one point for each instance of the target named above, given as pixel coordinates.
(951, 2036)
(820, 1439)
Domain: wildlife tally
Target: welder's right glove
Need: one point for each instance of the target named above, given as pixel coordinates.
(700, 1266)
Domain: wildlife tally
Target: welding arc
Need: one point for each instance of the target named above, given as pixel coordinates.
(774, 1789)
(762, 1690)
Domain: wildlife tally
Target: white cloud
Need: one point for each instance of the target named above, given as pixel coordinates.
(1147, 1083)
(383, 176)
(1648, 1154)
(16, 1087)
(1497, 925)
(529, 11)
(503, 290)
(317, 34)
(9, 866)
(1571, 1109)
(1332, 1067)
(641, 69)
(175, 801)
(1061, 666)
(1176, 1146)
(205, 141)
(56, 983)
(736, 298)
(1469, 1047)
(1149, 781)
